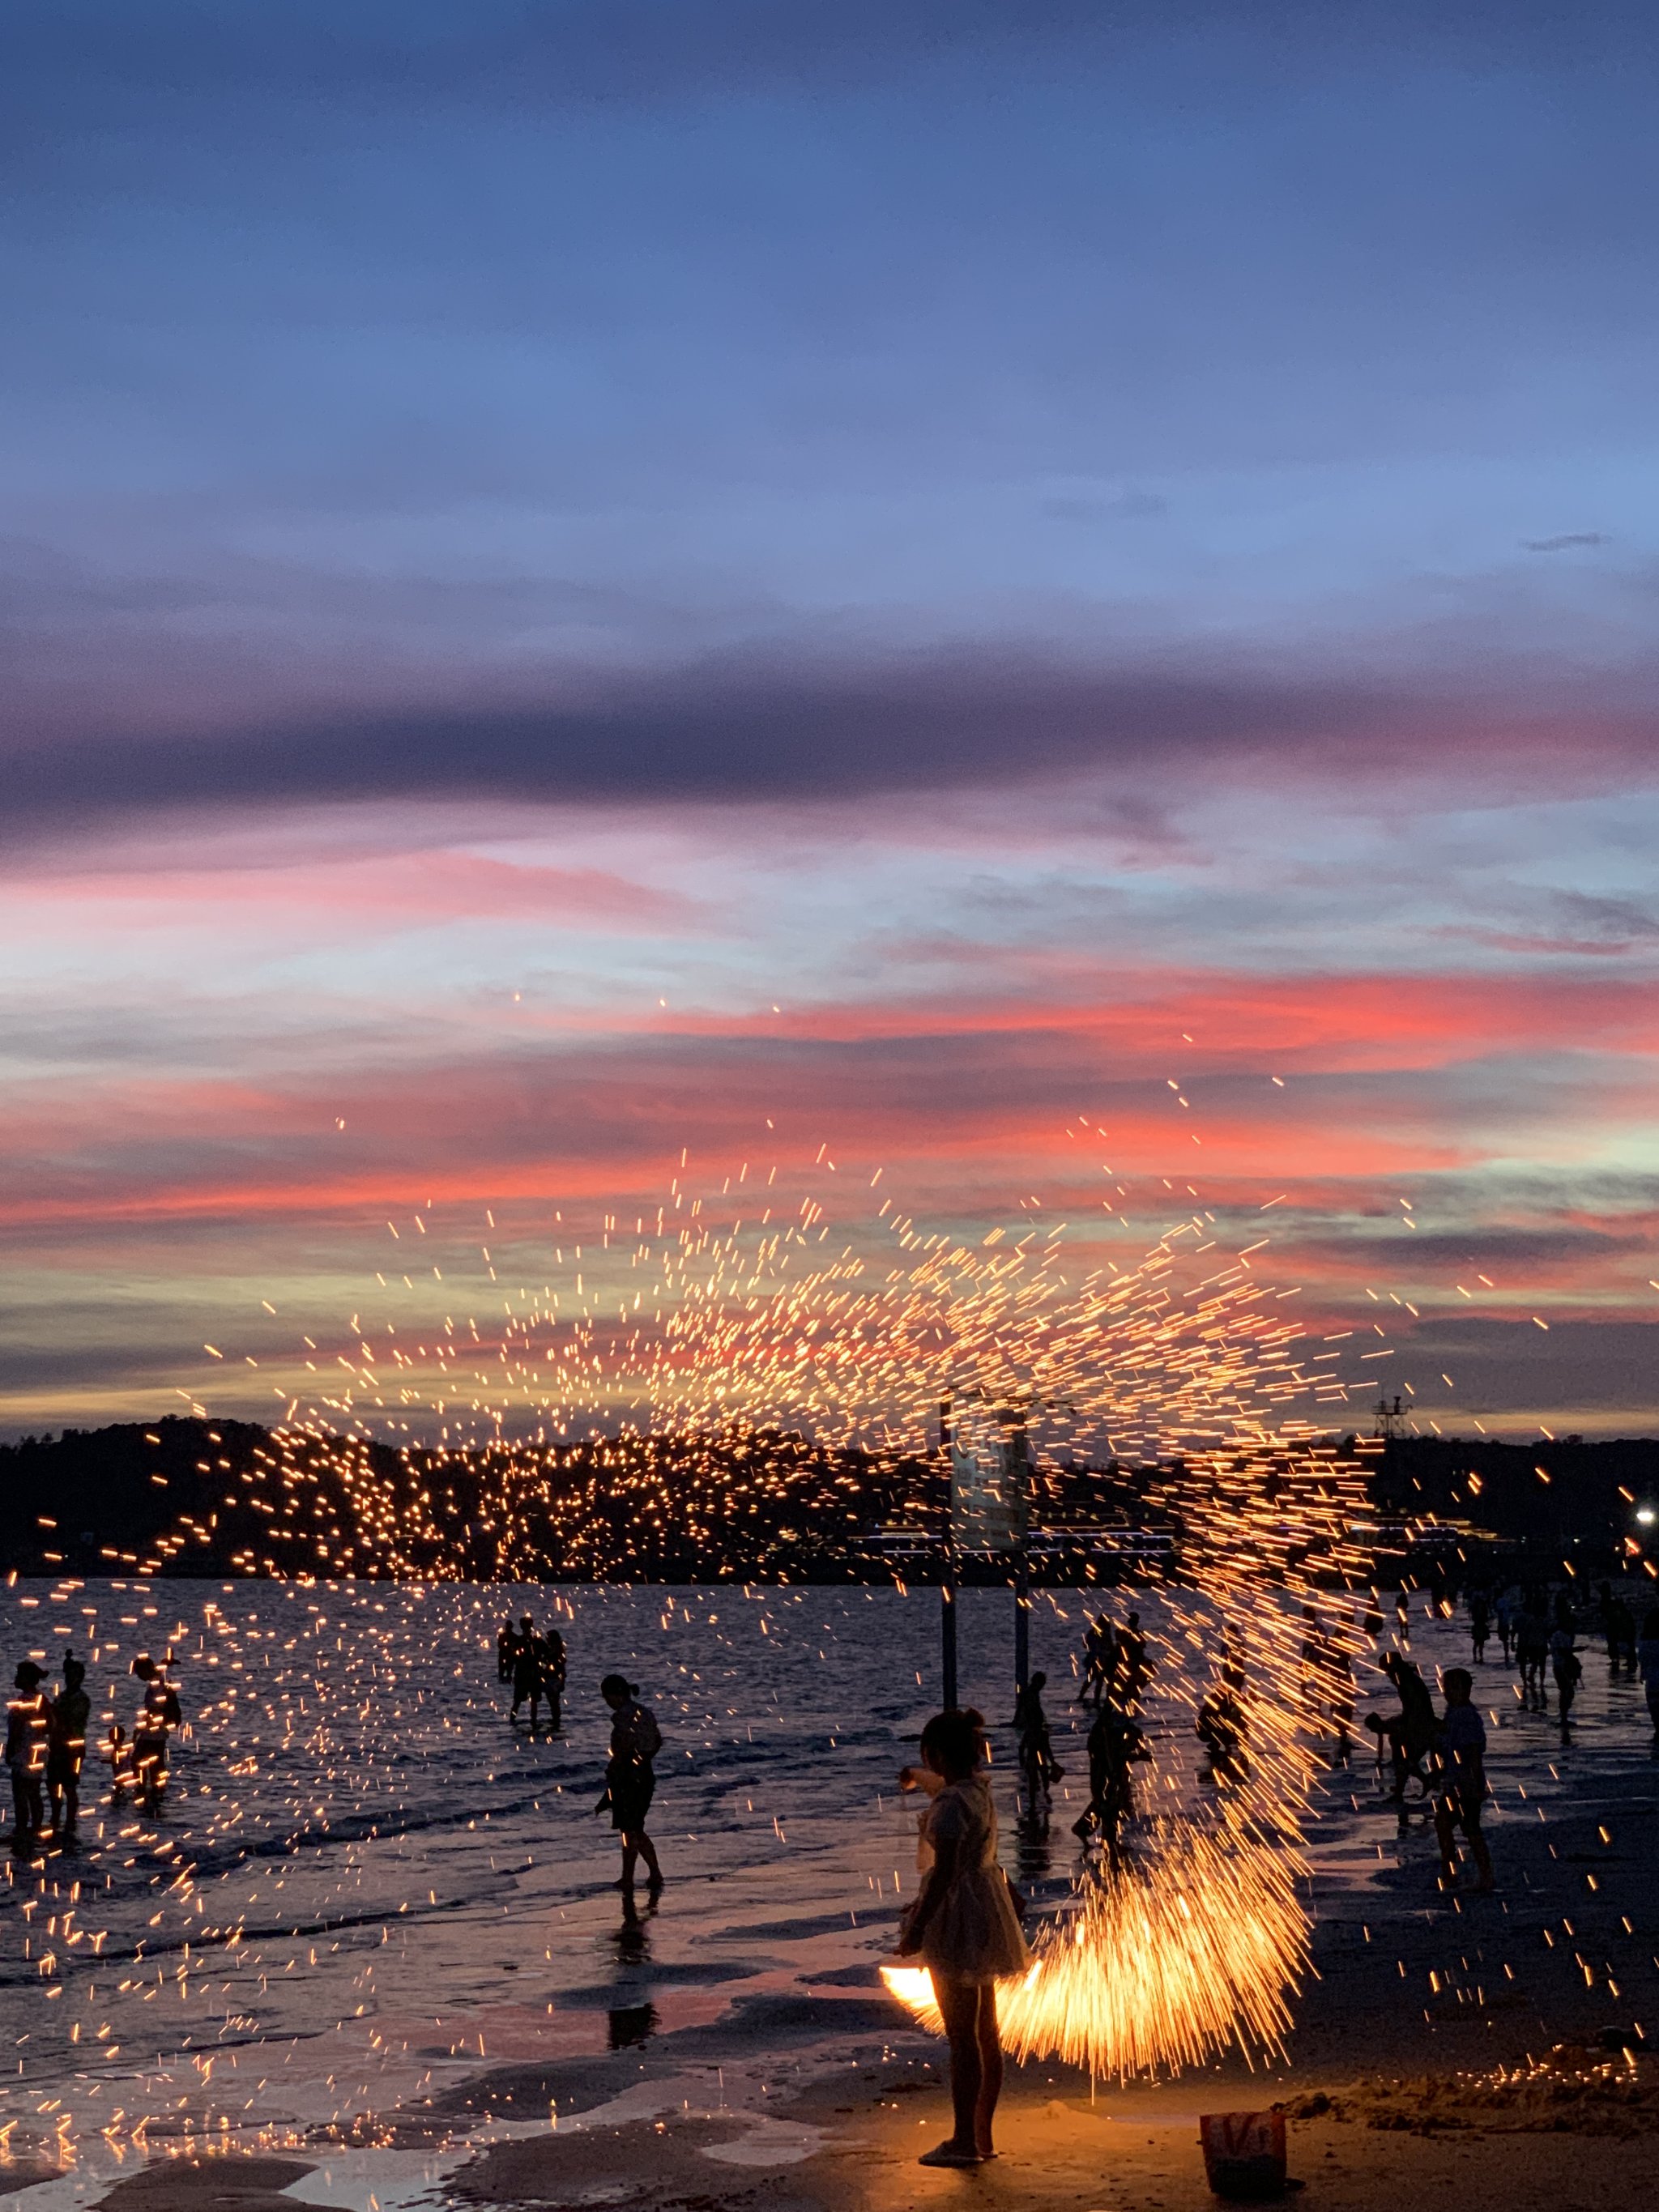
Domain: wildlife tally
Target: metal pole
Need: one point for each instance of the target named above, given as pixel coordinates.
(947, 1588)
(1017, 1480)
(1022, 1620)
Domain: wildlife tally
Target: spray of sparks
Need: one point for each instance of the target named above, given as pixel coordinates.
(681, 1367)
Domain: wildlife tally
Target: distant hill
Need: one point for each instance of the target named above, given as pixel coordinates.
(223, 1498)
(220, 1499)
(1548, 1496)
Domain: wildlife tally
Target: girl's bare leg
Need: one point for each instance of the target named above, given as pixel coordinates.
(989, 2045)
(958, 2002)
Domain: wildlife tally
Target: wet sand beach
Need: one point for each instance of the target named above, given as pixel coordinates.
(369, 1955)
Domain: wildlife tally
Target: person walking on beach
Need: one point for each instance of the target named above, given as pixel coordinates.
(1480, 1623)
(1460, 1787)
(1647, 1658)
(1035, 1754)
(1099, 1660)
(1116, 1742)
(1567, 1668)
(29, 1722)
(1134, 1669)
(1505, 1611)
(1220, 1729)
(1619, 1626)
(630, 1780)
(1532, 1649)
(66, 1749)
(965, 1929)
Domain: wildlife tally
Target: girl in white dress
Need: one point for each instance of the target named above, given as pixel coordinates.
(965, 1929)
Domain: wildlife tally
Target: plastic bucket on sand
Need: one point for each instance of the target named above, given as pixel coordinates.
(1244, 2154)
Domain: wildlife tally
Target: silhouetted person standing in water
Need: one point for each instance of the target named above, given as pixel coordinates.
(158, 1716)
(527, 1670)
(70, 1715)
(1410, 1733)
(552, 1657)
(1099, 1660)
(28, 1721)
(1135, 1669)
(1480, 1622)
(505, 1642)
(630, 1781)
(966, 1930)
(1532, 1649)
(1619, 1626)
(1566, 1667)
(1220, 1728)
(1503, 1612)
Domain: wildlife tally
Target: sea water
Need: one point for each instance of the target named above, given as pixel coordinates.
(366, 1881)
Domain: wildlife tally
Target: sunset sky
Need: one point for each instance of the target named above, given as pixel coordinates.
(589, 580)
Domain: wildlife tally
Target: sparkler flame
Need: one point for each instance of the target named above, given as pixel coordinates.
(1162, 1966)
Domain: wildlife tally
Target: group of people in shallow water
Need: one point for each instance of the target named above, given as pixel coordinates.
(534, 1664)
(46, 1748)
(1444, 1753)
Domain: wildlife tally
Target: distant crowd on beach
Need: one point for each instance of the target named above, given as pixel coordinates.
(1539, 1628)
(1429, 1754)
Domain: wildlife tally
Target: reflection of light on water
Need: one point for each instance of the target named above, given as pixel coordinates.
(1159, 1968)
